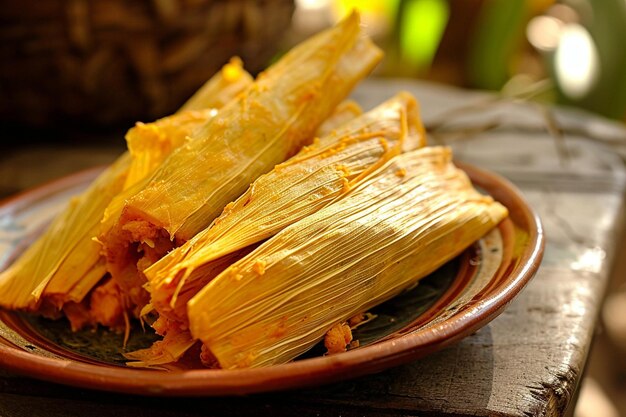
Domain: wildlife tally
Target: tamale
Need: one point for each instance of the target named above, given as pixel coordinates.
(67, 241)
(401, 223)
(149, 144)
(168, 134)
(302, 185)
(293, 190)
(65, 263)
(261, 128)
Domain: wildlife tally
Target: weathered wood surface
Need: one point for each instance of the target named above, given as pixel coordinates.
(527, 362)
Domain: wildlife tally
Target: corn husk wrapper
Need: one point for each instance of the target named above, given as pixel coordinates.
(177, 338)
(262, 128)
(65, 251)
(162, 352)
(346, 111)
(304, 184)
(398, 225)
(221, 88)
(65, 263)
(150, 143)
(259, 130)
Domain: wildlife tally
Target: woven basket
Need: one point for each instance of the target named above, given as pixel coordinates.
(114, 61)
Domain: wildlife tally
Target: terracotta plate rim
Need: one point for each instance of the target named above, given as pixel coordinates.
(307, 372)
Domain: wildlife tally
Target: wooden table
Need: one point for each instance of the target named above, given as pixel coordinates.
(527, 362)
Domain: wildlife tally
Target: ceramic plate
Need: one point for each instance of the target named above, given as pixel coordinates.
(446, 306)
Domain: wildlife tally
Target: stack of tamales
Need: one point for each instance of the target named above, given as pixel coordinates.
(260, 218)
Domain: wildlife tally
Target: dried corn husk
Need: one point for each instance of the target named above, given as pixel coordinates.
(304, 184)
(163, 352)
(177, 338)
(231, 80)
(345, 112)
(398, 225)
(65, 263)
(66, 246)
(149, 144)
(263, 127)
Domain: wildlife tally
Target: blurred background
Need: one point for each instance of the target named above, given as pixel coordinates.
(70, 66)
(113, 62)
(576, 47)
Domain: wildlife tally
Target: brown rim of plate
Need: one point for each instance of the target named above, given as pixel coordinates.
(307, 372)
